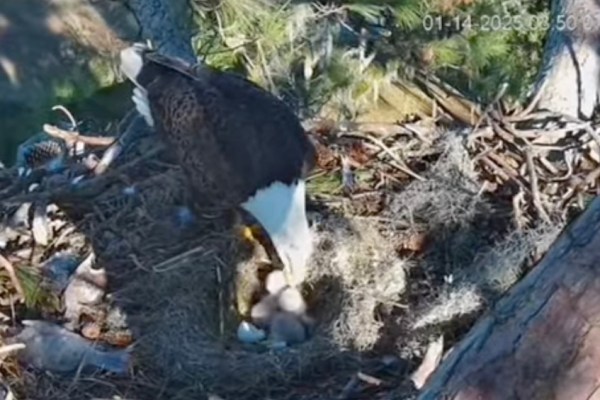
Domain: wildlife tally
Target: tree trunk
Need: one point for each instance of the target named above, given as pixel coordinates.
(570, 74)
(167, 24)
(542, 340)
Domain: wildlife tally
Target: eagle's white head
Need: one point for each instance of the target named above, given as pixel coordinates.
(281, 210)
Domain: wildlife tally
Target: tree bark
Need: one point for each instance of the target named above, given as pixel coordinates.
(569, 78)
(167, 24)
(542, 340)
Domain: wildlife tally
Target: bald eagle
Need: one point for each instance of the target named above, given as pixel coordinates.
(233, 140)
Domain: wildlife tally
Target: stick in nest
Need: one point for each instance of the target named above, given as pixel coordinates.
(593, 134)
(116, 147)
(496, 99)
(535, 192)
(71, 137)
(10, 348)
(67, 113)
(173, 262)
(398, 164)
(520, 219)
(523, 115)
(220, 264)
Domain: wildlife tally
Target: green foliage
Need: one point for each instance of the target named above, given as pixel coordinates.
(341, 53)
(499, 42)
(36, 295)
(325, 184)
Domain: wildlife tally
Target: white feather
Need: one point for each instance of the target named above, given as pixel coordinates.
(142, 106)
(131, 63)
(280, 209)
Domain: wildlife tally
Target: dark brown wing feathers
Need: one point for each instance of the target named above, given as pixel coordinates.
(230, 136)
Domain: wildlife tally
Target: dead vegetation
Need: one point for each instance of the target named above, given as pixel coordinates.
(419, 227)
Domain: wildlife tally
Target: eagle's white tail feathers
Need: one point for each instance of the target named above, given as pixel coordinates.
(280, 209)
(142, 105)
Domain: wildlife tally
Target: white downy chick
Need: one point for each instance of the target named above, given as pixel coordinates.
(291, 300)
(263, 311)
(275, 282)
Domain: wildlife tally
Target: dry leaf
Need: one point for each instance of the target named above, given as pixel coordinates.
(414, 242)
(39, 226)
(358, 153)
(326, 158)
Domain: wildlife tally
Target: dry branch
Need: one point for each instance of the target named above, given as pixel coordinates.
(71, 137)
(540, 341)
(454, 103)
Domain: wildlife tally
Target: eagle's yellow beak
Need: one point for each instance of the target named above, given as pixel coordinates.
(251, 233)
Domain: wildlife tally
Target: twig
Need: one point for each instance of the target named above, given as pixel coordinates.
(318, 174)
(220, 263)
(552, 168)
(371, 380)
(530, 107)
(168, 264)
(399, 164)
(593, 134)
(67, 113)
(485, 152)
(71, 137)
(349, 388)
(109, 156)
(10, 348)
(485, 132)
(495, 100)
(7, 265)
(381, 129)
(535, 192)
(115, 149)
(507, 169)
(570, 169)
(520, 219)
(136, 261)
(592, 176)
(420, 135)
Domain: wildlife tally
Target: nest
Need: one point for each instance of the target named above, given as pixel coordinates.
(173, 275)
(410, 244)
